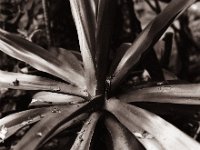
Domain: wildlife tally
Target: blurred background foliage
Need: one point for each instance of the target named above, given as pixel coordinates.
(49, 24)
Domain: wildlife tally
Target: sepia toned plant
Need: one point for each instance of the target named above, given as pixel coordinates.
(88, 91)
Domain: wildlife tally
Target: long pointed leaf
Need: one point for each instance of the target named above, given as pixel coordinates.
(84, 17)
(18, 118)
(68, 124)
(124, 140)
(105, 19)
(148, 37)
(13, 129)
(31, 82)
(121, 137)
(84, 137)
(15, 122)
(187, 94)
(49, 98)
(167, 135)
(40, 131)
(39, 58)
(149, 142)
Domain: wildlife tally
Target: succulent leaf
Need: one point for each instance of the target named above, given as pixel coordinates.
(39, 58)
(147, 38)
(68, 124)
(49, 98)
(186, 94)
(84, 137)
(16, 121)
(84, 17)
(32, 82)
(154, 126)
(122, 138)
(40, 131)
(19, 117)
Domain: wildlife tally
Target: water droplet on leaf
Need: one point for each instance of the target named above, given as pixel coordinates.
(24, 123)
(56, 89)
(42, 116)
(160, 83)
(39, 134)
(143, 135)
(55, 110)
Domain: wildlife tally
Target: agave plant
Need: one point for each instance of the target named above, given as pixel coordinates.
(88, 90)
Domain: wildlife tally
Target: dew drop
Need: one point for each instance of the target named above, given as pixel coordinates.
(80, 138)
(24, 123)
(88, 122)
(160, 83)
(42, 116)
(55, 110)
(39, 134)
(34, 100)
(146, 135)
(143, 135)
(56, 89)
(137, 134)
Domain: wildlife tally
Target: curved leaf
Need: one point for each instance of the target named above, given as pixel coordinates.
(68, 124)
(84, 137)
(18, 118)
(13, 129)
(148, 141)
(49, 98)
(167, 135)
(148, 37)
(16, 121)
(39, 58)
(32, 82)
(121, 137)
(40, 131)
(187, 94)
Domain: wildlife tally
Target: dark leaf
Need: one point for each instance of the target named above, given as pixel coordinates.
(40, 58)
(148, 37)
(84, 137)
